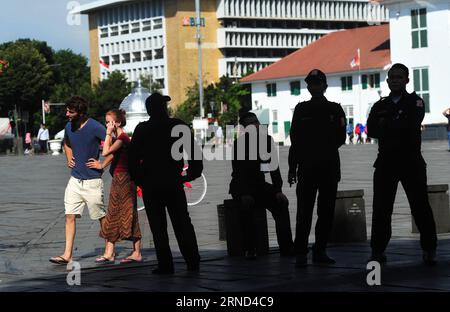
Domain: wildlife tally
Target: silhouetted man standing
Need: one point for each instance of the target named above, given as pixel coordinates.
(318, 130)
(250, 189)
(395, 121)
(153, 167)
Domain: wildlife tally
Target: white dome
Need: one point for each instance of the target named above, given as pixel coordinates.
(135, 101)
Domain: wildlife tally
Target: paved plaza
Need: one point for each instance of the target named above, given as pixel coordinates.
(32, 230)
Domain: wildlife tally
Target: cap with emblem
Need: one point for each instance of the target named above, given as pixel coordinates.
(316, 75)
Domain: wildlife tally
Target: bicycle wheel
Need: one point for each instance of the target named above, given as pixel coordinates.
(195, 190)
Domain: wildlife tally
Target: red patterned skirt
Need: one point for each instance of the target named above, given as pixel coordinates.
(121, 221)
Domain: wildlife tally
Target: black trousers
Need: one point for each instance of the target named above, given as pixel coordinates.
(414, 181)
(43, 146)
(156, 200)
(307, 189)
(265, 198)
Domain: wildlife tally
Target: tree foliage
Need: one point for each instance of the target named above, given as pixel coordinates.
(222, 100)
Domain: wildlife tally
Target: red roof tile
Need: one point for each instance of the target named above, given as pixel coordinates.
(333, 53)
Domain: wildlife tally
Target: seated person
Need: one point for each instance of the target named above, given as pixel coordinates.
(250, 190)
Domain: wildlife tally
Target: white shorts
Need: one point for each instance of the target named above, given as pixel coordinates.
(81, 193)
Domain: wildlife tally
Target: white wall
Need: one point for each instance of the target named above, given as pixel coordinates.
(436, 56)
(284, 102)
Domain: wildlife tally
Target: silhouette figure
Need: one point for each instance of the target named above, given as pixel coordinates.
(314, 160)
(396, 122)
(153, 168)
(249, 188)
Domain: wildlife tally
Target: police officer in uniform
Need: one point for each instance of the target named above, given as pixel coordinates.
(249, 188)
(396, 121)
(318, 130)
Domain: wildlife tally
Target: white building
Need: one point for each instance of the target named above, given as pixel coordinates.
(420, 38)
(278, 88)
(157, 38)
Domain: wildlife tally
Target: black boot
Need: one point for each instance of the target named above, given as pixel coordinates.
(319, 256)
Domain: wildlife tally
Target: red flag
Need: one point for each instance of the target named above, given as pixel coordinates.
(356, 61)
(103, 64)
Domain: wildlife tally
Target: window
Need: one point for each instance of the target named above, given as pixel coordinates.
(419, 28)
(146, 25)
(114, 31)
(371, 81)
(271, 89)
(135, 27)
(159, 54)
(115, 60)
(125, 58)
(125, 29)
(287, 128)
(347, 83)
(295, 87)
(147, 55)
(421, 86)
(103, 32)
(157, 23)
(136, 56)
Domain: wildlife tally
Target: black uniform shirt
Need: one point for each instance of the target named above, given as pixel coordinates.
(247, 176)
(318, 130)
(397, 126)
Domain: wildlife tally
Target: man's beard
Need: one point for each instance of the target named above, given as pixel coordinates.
(76, 123)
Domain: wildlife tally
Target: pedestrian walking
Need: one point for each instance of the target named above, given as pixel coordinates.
(85, 186)
(43, 137)
(121, 221)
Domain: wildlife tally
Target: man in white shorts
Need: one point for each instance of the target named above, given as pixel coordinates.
(85, 188)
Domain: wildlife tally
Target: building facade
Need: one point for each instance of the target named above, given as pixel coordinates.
(158, 37)
(420, 38)
(277, 89)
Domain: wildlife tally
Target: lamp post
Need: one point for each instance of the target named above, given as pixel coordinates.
(199, 43)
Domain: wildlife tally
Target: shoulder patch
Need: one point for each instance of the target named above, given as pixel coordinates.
(419, 103)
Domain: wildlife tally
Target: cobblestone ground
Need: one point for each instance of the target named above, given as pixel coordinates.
(32, 230)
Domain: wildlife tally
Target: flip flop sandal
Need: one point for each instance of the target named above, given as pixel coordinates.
(128, 260)
(103, 260)
(58, 260)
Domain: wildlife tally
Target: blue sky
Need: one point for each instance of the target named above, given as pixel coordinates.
(44, 20)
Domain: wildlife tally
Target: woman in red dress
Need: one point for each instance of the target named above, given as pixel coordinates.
(121, 222)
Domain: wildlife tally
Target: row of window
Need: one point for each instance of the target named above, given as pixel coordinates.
(370, 81)
(131, 12)
(294, 85)
(134, 57)
(128, 28)
(131, 45)
(135, 73)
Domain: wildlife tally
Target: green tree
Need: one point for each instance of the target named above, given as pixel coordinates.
(107, 94)
(225, 94)
(27, 80)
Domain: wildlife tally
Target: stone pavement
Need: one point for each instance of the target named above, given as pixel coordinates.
(32, 230)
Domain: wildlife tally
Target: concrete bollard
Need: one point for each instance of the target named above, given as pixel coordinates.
(222, 227)
(349, 218)
(439, 201)
(233, 230)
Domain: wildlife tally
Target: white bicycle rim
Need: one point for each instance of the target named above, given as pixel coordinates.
(197, 201)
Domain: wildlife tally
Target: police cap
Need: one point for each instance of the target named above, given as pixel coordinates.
(316, 75)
